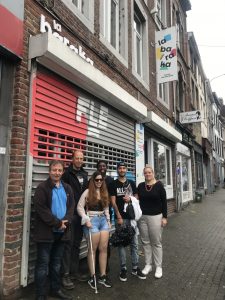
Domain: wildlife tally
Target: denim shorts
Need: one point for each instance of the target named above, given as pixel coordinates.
(99, 223)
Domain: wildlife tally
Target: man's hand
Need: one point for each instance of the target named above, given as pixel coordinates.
(126, 198)
(120, 221)
(64, 224)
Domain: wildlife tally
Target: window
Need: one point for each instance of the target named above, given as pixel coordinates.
(180, 93)
(163, 93)
(140, 57)
(138, 45)
(162, 163)
(180, 32)
(84, 10)
(161, 13)
(113, 26)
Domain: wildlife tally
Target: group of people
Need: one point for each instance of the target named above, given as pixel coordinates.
(67, 206)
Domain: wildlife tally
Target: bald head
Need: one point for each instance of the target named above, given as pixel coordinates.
(78, 159)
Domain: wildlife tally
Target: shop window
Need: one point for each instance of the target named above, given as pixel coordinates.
(84, 10)
(113, 26)
(185, 172)
(162, 163)
(199, 170)
(140, 60)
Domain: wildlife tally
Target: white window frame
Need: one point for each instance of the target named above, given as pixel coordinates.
(87, 20)
(121, 48)
(161, 13)
(168, 187)
(164, 98)
(143, 77)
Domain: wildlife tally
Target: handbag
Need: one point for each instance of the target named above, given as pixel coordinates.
(122, 236)
(130, 211)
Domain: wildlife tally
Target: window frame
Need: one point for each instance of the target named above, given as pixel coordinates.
(139, 11)
(165, 98)
(121, 49)
(87, 20)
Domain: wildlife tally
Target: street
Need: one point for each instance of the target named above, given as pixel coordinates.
(194, 260)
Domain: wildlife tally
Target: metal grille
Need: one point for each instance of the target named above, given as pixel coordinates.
(65, 119)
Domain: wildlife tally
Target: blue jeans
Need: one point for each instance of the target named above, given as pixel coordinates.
(133, 250)
(49, 256)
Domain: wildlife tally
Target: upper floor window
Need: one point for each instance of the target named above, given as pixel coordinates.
(161, 13)
(84, 10)
(140, 60)
(180, 31)
(163, 93)
(113, 26)
(180, 93)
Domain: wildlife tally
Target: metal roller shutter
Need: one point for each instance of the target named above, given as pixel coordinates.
(65, 118)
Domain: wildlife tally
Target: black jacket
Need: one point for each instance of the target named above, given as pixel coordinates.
(70, 177)
(45, 221)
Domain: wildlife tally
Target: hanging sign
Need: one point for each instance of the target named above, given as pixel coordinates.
(166, 55)
(191, 117)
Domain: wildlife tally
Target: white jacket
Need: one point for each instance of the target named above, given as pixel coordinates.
(137, 211)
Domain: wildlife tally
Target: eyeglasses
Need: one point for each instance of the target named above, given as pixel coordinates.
(98, 180)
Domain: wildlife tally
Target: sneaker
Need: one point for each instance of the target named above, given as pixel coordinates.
(105, 281)
(137, 272)
(67, 283)
(91, 282)
(147, 269)
(158, 272)
(123, 275)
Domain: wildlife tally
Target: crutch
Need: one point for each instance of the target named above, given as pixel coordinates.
(93, 262)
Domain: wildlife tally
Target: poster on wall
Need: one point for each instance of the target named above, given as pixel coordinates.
(166, 55)
(139, 151)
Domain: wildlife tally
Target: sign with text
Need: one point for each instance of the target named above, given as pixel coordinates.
(166, 55)
(191, 117)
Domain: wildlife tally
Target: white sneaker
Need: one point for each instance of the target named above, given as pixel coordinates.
(158, 272)
(147, 269)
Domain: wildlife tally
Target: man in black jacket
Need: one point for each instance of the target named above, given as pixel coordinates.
(77, 178)
(54, 207)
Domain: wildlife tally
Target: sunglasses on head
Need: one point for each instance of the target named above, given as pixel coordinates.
(98, 179)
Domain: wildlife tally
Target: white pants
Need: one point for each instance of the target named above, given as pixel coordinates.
(151, 237)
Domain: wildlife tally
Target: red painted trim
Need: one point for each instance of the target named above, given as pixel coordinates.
(11, 32)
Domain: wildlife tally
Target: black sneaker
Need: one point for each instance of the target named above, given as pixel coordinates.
(105, 281)
(67, 283)
(91, 282)
(137, 272)
(123, 275)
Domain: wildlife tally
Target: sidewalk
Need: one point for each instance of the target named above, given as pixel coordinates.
(194, 260)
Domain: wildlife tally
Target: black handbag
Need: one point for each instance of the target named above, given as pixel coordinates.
(130, 211)
(122, 236)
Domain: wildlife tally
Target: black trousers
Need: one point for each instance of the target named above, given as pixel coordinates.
(70, 261)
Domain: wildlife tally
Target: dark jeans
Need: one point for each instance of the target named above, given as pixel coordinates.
(70, 262)
(49, 257)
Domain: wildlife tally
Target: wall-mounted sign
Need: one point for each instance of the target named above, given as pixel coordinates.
(46, 27)
(140, 158)
(166, 55)
(191, 117)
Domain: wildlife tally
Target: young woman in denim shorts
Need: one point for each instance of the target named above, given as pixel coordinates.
(93, 207)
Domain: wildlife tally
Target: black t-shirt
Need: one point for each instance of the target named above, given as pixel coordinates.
(152, 199)
(120, 189)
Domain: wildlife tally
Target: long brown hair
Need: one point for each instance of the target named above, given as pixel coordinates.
(92, 195)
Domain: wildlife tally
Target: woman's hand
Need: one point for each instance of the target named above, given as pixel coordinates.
(88, 224)
(164, 222)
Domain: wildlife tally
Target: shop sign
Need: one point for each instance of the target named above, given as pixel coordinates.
(191, 117)
(140, 159)
(57, 28)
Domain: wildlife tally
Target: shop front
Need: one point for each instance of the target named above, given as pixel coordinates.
(73, 106)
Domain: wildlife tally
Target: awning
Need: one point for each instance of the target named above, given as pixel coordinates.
(154, 122)
(58, 57)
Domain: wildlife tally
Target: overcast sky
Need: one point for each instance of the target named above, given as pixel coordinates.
(207, 20)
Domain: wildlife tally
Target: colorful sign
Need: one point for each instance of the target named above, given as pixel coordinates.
(140, 158)
(166, 55)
